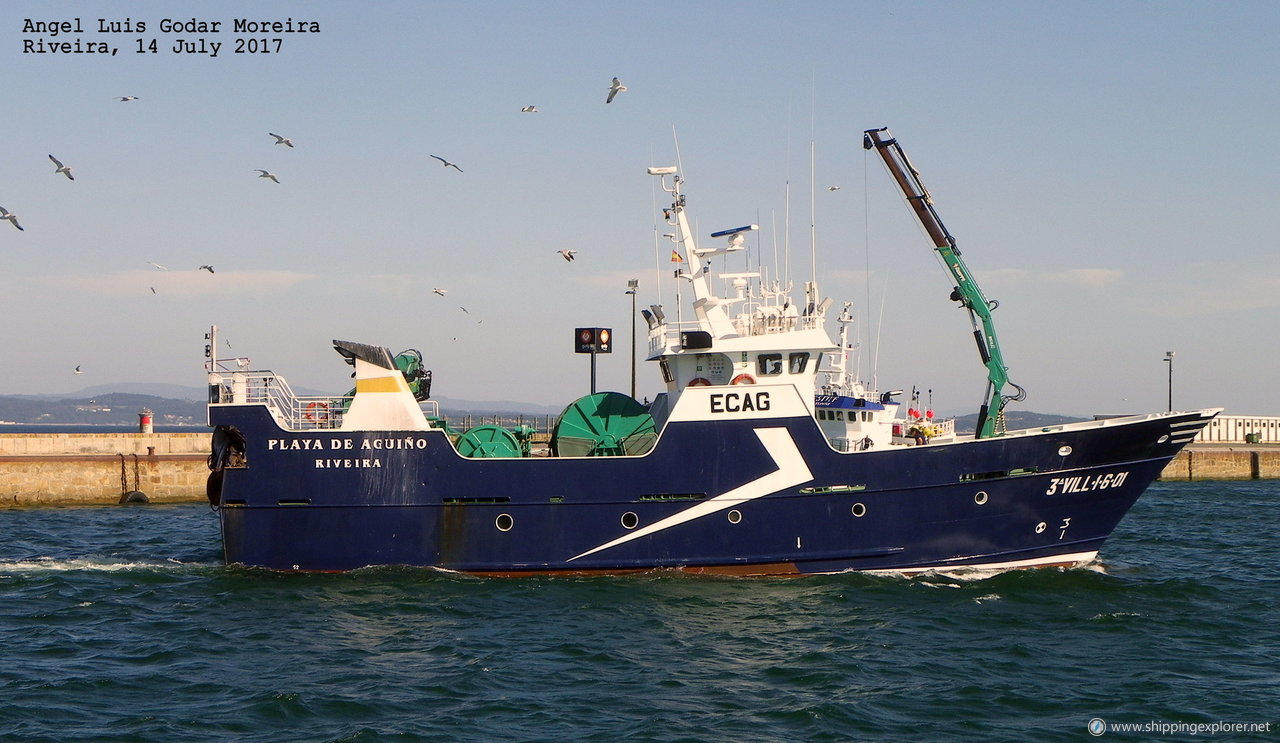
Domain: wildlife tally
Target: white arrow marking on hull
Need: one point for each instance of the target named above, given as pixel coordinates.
(792, 470)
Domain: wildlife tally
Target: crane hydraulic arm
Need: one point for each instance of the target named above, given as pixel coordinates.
(966, 291)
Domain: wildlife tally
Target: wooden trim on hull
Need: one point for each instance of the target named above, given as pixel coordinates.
(792, 570)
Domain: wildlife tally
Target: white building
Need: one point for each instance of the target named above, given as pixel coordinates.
(1240, 429)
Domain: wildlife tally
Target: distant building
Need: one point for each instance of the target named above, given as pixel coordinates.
(1240, 429)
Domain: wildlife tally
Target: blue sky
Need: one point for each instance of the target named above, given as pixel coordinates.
(1108, 169)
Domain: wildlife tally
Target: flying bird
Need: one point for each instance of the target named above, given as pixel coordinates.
(158, 266)
(6, 214)
(63, 169)
(440, 291)
(282, 140)
(77, 371)
(464, 309)
(567, 254)
(833, 188)
(153, 289)
(265, 174)
(529, 110)
(205, 268)
(127, 98)
(614, 89)
(447, 164)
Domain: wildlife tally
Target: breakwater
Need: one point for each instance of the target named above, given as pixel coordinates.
(1224, 462)
(42, 469)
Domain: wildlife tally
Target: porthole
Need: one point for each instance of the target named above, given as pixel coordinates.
(1040, 527)
(504, 522)
(1162, 439)
(859, 510)
(630, 520)
(1064, 450)
(734, 516)
(980, 497)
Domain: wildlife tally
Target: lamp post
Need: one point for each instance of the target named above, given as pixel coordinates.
(632, 285)
(1168, 357)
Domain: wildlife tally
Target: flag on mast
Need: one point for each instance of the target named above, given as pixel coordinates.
(676, 257)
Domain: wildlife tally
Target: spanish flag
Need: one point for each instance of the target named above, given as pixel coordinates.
(676, 257)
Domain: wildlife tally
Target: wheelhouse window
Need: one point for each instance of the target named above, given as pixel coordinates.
(799, 362)
(769, 364)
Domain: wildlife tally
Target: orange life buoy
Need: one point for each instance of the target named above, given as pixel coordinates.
(743, 379)
(317, 411)
(699, 382)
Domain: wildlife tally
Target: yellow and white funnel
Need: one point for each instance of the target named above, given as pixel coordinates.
(383, 399)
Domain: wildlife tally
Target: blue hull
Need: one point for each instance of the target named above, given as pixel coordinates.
(750, 497)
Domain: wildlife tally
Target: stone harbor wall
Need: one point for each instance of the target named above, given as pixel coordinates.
(38, 469)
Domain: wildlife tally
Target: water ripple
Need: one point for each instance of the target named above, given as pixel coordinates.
(122, 626)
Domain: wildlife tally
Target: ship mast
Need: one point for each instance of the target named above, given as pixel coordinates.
(708, 307)
(966, 291)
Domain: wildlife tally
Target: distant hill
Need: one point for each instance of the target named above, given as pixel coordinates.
(199, 394)
(1017, 419)
(156, 389)
(173, 404)
(112, 408)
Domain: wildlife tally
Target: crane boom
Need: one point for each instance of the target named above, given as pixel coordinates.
(966, 291)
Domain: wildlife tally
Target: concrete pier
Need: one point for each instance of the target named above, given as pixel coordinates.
(46, 469)
(1224, 462)
(42, 469)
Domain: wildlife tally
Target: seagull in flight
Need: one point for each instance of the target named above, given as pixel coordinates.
(127, 98)
(77, 371)
(614, 89)
(529, 110)
(158, 266)
(568, 255)
(447, 164)
(833, 188)
(440, 291)
(63, 169)
(6, 214)
(265, 174)
(153, 289)
(464, 309)
(282, 140)
(205, 268)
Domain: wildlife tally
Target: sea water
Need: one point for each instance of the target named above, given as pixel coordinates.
(121, 624)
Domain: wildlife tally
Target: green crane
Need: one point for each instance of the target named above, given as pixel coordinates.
(966, 291)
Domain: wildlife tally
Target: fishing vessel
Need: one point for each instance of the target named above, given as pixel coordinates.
(764, 455)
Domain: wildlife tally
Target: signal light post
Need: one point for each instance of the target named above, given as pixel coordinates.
(593, 341)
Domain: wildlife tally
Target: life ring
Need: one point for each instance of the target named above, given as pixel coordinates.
(743, 379)
(316, 411)
(699, 382)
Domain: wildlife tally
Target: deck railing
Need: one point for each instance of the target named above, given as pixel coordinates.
(667, 334)
(292, 411)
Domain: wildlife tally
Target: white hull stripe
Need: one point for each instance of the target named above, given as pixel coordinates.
(949, 566)
(792, 470)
